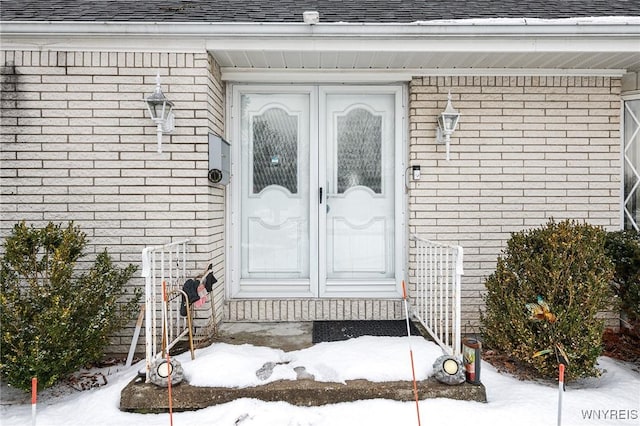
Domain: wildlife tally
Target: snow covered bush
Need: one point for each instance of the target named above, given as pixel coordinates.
(54, 319)
(543, 299)
(623, 247)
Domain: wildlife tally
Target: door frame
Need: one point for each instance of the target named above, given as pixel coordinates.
(233, 228)
(234, 289)
(399, 152)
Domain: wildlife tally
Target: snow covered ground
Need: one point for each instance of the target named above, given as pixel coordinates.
(612, 399)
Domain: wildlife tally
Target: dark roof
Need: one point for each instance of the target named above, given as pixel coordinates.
(291, 10)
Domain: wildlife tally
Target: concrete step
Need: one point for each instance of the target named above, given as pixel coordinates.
(149, 398)
(142, 397)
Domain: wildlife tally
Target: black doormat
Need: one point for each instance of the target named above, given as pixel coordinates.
(333, 331)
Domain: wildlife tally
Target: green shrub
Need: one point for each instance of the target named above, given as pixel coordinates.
(565, 265)
(54, 320)
(623, 247)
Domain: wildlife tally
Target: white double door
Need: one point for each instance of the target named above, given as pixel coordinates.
(317, 206)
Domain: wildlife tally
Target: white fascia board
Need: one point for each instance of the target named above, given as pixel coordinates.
(104, 44)
(252, 75)
(620, 44)
(593, 26)
(523, 35)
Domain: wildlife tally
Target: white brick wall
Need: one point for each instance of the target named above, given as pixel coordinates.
(527, 149)
(77, 145)
(214, 215)
(313, 309)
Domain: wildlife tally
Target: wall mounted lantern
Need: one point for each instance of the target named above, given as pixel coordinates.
(161, 111)
(447, 123)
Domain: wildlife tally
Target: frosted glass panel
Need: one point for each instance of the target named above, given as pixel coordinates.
(276, 248)
(359, 150)
(275, 150)
(358, 249)
(274, 163)
(360, 215)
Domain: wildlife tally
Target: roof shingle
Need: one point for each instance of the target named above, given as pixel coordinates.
(290, 11)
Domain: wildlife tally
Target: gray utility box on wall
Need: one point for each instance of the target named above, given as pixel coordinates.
(219, 160)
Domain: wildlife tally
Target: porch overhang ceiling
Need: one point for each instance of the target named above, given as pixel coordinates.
(245, 52)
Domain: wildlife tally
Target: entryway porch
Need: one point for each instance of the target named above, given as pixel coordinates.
(435, 302)
(304, 391)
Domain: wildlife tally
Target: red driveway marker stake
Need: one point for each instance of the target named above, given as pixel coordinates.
(560, 392)
(413, 370)
(169, 369)
(34, 399)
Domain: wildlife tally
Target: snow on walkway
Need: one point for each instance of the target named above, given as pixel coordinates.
(612, 399)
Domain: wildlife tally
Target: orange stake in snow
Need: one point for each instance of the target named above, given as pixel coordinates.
(560, 391)
(34, 399)
(169, 369)
(413, 370)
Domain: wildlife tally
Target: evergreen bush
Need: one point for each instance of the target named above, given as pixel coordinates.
(543, 299)
(623, 247)
(55, 320)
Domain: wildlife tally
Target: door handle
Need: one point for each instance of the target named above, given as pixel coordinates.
(320, 192)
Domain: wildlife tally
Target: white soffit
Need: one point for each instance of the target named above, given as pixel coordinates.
(608, 63)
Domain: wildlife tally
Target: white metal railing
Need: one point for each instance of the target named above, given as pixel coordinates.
(436, 301)
(164, 271)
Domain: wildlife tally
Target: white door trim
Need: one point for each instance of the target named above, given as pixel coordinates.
(317, 256)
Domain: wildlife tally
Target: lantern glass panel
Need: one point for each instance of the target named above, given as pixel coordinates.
(449, 122)
(156, 110)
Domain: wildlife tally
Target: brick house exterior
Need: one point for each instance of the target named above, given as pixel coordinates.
(529, 148)
(77, 144)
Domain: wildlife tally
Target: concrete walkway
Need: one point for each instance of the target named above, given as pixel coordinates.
(140, 397)
(288, 336)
